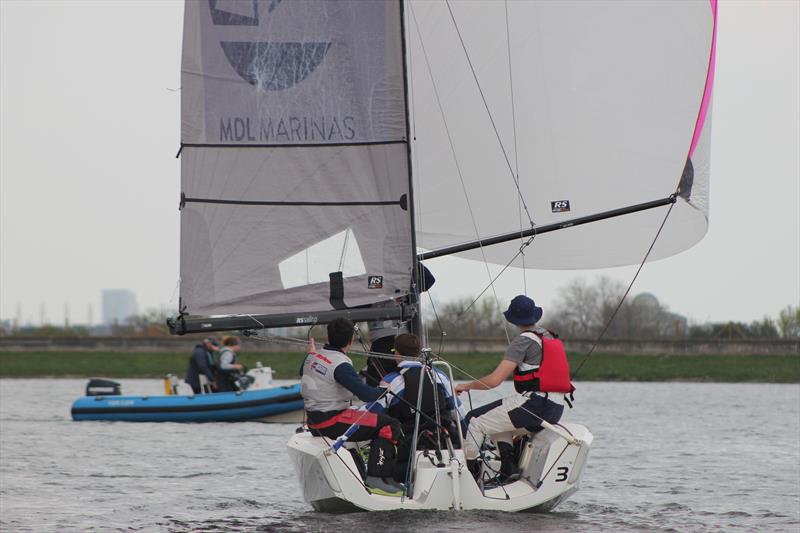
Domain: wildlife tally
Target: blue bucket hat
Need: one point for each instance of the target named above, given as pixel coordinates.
(522, 311)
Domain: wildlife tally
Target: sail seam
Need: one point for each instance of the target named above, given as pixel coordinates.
(400, 202)
(287, 145)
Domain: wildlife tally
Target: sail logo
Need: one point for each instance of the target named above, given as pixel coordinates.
(559, 206)
(271, 66)
(375, 282)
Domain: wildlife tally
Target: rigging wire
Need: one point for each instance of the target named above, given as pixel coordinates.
(304, 342)
(521, 251)
(455, 159)
(628, 290)
(442, 332)
(516, 145)
(488, 111)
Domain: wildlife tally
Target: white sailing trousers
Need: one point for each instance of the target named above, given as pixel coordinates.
(496, 423)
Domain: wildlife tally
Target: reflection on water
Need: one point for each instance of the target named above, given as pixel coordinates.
(666, 456)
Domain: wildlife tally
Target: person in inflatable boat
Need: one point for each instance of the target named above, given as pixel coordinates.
(202, 362)
(328, 384)
(537, 361)
(230, 372)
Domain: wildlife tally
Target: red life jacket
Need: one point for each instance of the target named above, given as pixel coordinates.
(552, 375)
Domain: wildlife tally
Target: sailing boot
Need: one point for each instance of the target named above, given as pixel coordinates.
(380, 469)
(509, 467)
(384, 486)
(474, 467)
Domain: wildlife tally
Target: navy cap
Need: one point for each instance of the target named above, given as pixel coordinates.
(522, 311)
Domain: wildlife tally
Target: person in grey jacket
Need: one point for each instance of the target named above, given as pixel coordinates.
(329, 384)
(229, 370)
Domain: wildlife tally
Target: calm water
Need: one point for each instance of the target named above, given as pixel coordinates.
(666, 457)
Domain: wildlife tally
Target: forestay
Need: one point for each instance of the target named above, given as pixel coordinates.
(294, 155)
(598, 106)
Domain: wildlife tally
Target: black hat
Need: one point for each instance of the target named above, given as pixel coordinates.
(212, 341)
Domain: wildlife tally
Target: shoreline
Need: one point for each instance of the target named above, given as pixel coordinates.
(599, 367)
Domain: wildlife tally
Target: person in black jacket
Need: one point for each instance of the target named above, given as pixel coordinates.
(202, 362)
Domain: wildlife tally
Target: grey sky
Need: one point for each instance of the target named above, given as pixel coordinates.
(89, 183)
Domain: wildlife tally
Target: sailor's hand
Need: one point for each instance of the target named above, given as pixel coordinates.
(383, 385)
(463, 387)
(312, 346)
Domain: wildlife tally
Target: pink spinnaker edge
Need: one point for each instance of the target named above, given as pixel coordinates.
(701, 117)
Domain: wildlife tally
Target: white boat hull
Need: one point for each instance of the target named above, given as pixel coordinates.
(551, 469)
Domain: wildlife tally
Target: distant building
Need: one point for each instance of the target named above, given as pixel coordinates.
(118, 306)
(648, 318)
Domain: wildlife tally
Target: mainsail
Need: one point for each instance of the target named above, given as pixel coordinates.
(296, 189)
(294, 156)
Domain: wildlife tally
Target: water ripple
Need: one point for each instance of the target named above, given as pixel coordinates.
(669, 467)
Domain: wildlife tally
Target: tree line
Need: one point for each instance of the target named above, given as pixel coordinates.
(583, 310)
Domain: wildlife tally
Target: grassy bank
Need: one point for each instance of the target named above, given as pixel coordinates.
(600, 367)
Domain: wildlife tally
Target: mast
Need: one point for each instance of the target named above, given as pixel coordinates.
(416, 321)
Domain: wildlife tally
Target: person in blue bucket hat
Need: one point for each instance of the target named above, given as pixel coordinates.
(537, 361)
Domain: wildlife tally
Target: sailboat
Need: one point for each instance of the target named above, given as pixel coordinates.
(329, 148)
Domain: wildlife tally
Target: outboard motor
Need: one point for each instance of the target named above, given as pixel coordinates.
(244, 382)
(102, 387)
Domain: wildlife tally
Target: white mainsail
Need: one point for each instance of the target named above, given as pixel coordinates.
(294, 156)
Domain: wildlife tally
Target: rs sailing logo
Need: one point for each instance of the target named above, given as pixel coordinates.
(273, 66)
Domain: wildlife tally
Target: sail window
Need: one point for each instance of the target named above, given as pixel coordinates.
(339, 253)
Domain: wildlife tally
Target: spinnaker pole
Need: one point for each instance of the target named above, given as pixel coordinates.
(505, 237)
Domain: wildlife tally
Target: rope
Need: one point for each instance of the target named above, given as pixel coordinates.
(491, 284)
(442, 332)
(294, 341)
(625, 295)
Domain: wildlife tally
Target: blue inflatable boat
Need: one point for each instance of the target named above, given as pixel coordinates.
(275, 404)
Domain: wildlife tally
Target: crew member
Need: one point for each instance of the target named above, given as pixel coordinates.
(436, 405)
(329, 383)
(538, 362)
(202, 362)
(229, 370)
